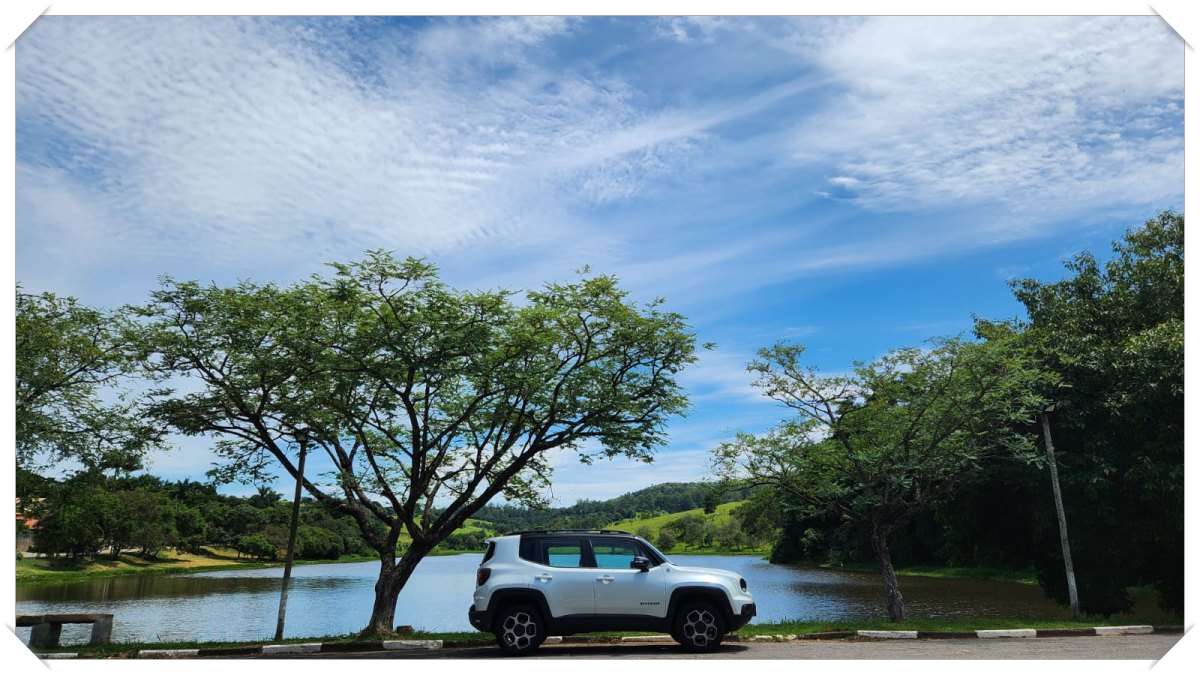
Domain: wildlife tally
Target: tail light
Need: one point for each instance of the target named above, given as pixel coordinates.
(481, 576)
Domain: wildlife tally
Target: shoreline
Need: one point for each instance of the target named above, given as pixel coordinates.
(29, 574)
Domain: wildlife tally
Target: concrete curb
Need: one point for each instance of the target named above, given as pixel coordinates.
(399, 645)
(889, 634)
(300, 648)
(1007, 633)
(1124, 630)
(1000, 633)
(412, 644)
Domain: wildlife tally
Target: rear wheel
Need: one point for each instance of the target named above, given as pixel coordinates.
(699, 627)
(519, 630)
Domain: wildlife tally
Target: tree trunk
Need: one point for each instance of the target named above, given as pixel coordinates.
(393, 575)
(891, 587)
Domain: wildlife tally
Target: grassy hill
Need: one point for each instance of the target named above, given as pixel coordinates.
(676, 507)
(590, 514)
(713, 528)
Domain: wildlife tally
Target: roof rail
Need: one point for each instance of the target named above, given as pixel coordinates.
(571, 531)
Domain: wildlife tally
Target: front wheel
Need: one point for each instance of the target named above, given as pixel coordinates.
(519, 630)
(699, 627)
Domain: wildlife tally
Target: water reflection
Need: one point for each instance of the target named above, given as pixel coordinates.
(241, 604)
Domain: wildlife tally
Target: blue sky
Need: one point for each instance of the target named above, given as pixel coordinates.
(851, 183)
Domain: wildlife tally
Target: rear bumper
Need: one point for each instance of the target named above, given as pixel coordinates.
(480, 620)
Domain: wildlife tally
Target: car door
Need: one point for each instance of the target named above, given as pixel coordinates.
(559, 574)
(622, 589)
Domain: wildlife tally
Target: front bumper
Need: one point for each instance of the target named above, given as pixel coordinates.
(748, 612)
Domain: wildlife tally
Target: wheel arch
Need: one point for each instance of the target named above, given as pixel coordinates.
(517, 596)
(712, 594)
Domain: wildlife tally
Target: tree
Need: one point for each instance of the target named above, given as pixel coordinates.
(418, 395)
(688, 529)
(265, 498)
(1114, 334)
(72, 523)
(256, 545)
(317, 543)
(728, 534)
(666, 539)
(877, 446)
(72, 402)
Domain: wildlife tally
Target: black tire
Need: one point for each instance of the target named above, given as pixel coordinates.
(699, 627)
(520, 630)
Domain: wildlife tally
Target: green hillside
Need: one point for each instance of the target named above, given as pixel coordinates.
(694, 531)
(673, 508)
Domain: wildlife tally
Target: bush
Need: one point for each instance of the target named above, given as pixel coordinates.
(317, 543)
(256, 545)
(666, 540)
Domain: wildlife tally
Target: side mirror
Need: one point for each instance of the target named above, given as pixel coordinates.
(640, 563)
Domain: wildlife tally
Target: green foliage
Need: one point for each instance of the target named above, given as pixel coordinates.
(91, 512)
(256, 545)
(877, 446)
(71, 402)
(417, 393)
(695, 531)
(317, 543)
(666, 540)
(1114, 334)
(880, 444)
(72, 524)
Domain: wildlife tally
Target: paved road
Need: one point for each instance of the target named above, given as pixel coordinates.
(1137, 647)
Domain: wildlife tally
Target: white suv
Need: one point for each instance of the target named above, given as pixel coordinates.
(562, 582)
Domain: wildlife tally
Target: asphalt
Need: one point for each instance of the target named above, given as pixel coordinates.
(1103, 642)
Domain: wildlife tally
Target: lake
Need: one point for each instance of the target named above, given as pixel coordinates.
(335, 599)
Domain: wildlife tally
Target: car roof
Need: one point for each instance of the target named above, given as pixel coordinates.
(526, 533)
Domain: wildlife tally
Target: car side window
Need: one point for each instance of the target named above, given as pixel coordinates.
(614, 553)
(560, 552)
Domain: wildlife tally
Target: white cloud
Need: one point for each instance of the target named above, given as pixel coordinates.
(721, 376)
(1045, 113)
(230, 138)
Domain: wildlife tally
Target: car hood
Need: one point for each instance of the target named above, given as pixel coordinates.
(708, 570)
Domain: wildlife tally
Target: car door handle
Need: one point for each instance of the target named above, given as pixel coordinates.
(605, 579)
(543, 578)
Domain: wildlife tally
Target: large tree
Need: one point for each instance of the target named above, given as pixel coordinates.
(1113, 331)
(428, 402)
(878, 445)
(75, 397)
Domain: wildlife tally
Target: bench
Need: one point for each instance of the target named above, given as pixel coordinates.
(47, 628)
